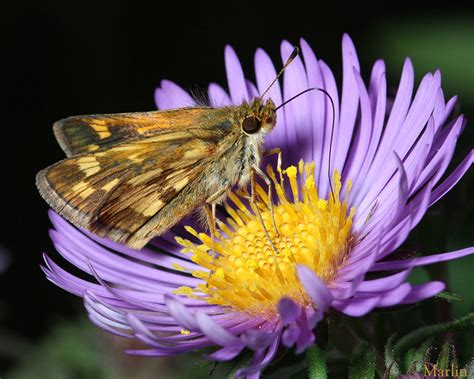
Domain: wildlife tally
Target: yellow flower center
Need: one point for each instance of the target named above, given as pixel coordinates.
(255, 266)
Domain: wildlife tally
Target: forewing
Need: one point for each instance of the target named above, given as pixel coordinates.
(114, 192)
(84, 134)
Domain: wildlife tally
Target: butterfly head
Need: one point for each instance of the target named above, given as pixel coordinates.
(260, 117)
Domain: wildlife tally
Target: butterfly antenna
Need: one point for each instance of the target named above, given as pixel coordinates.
(333, 107)
(292, 56)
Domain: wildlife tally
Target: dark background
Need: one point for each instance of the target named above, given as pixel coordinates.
(63, 58)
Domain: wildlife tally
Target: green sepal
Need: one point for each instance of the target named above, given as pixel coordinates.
(421, 334)
(316, 360)
(449, 296)
(391, 364)
(363, 362)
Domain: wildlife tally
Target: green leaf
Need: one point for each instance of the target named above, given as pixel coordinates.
(421, 334)
(316, 360)
(422, 355)
(362, 364)
(408, 359)
(391, 364)
(445, 353)
(450, 296)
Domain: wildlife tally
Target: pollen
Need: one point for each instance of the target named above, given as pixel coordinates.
(252, 264)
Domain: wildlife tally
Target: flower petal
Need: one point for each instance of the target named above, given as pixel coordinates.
(423, 291)
(218, 97)
(169, 95)
(235, 77)
(421, 261)
(214, 331)
(180, 313)
(289, 310)
(319, 293)
(226, 353)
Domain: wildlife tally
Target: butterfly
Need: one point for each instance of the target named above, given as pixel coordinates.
(130, 177)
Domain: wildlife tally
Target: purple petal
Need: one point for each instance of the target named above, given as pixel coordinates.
(361, 143)
(421, 261)
(218, 97)
(289, 310)
(349, 102)
(384, 284)
(235, 77)
(170, 96)
(180, 313)
(452, 179)
(423, 291)
(317, 101)
(226, 353)
(290, 335)
(319, 293)
(380, 91)
(344, 289)
(394, 296)
(356, 307)
(394, 123)
(265, 74)
(251, 89)
(306, 336)
(262, 359)
(327, 165)
(256, 339)
(441, 155)
(215, 332)
(298, 111)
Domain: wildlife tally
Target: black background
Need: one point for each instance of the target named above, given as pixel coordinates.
(63, 58)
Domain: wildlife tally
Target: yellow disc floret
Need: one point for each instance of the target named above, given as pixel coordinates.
(254, 264)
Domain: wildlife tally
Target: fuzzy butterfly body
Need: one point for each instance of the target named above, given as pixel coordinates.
(130, 177)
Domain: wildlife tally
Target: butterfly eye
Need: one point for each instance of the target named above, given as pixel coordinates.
(251, 125)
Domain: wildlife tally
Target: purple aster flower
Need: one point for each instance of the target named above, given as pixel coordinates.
(386, 163)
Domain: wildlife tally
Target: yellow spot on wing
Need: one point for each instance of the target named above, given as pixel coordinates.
(104, 134)
(87, 192)
(165, 136)
(149, 208)
(179, 185)
(79, 187)
(91, 171)
(135, 157)
(99, 127)
(125, 147)
(110, 185)
(88, 165)
(99, 122)
(193, 154)
(145, 177)
(93, 147)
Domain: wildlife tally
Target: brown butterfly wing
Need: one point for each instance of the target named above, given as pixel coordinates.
(133, 190)
(83, 134)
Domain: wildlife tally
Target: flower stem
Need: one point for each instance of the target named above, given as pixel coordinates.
(316, 361)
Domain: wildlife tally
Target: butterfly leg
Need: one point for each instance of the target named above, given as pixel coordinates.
(255, 170)
(210, 210)
(268, 153)
(274, 151)
(258, 171)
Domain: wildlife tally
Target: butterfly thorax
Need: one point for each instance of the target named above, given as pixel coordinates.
(242, 147)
